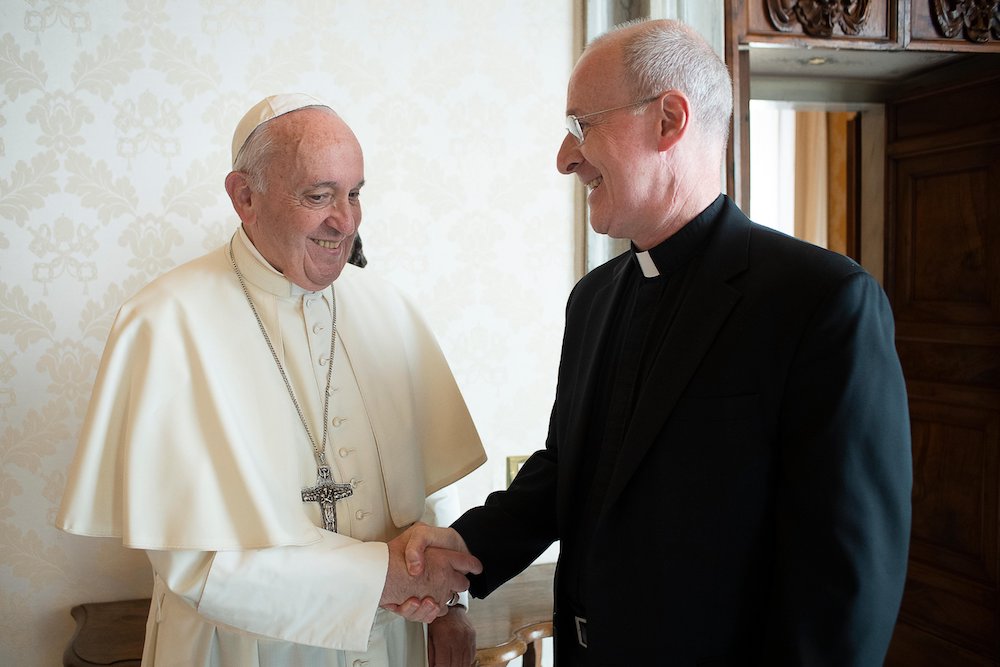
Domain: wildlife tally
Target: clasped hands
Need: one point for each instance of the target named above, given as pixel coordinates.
(427, 566)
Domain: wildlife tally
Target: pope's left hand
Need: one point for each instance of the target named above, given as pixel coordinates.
(451, 640)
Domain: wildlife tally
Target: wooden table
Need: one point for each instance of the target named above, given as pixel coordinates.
(512, 621)
(509, 624)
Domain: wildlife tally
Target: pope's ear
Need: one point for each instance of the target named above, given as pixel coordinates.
(238, 188)
(675, 114)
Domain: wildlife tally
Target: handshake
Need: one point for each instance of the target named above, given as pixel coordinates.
(427, 570)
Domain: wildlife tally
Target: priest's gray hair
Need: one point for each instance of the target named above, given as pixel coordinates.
(253, 157)
(665, 55)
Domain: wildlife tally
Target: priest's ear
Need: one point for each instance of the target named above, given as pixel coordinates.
(241, 194)
(674, 118)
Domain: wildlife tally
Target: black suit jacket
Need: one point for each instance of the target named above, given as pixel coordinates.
(759, 510)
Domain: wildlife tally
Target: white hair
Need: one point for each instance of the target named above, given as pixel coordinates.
(668, 55)
(253, 157)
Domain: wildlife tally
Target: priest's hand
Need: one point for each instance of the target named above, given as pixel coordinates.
(451, 640)
(420, 536)
(424, 596)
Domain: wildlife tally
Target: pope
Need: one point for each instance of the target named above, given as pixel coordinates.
(266, 422)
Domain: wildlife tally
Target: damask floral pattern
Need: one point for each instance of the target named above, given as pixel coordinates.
(115, 122)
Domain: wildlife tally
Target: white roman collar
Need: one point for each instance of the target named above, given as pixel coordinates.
(261, 273)
(647, 264)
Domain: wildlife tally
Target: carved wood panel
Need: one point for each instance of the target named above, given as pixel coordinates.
(922, 25)
(863, 23)
(960, 25)
(819, 18)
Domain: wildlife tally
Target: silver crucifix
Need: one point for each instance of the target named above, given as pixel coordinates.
(327, 493)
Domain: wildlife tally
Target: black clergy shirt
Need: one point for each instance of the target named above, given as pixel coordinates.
(642, 316)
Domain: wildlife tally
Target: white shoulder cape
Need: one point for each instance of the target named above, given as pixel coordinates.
(185, 444)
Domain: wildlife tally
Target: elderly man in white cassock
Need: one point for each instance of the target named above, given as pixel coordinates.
(267, 421)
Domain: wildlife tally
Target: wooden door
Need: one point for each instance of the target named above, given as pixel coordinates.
(943, 278)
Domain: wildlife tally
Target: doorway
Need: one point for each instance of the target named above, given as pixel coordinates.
(807, 169)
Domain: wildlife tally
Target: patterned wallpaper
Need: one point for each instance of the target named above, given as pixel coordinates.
(115, 123)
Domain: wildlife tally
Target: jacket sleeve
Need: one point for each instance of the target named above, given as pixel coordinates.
(514, 526)
(844, 482)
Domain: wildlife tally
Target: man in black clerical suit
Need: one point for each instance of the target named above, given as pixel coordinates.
(728, 460)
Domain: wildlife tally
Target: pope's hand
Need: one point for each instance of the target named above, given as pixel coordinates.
(422, 593)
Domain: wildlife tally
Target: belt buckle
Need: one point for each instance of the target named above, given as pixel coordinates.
(581, 630)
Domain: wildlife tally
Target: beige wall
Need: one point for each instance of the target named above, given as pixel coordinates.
(115, 124)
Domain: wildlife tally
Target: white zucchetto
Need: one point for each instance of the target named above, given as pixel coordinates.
(267, 109)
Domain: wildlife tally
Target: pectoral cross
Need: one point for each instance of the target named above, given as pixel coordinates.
(327, 493)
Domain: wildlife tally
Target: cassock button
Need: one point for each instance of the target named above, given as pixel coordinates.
(322, 360)
(361, 514)
(355, 482)
(359, 663)
(344, 452)
(317, 328)
(337, 421)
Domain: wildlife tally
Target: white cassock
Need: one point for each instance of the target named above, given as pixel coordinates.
(193, 451)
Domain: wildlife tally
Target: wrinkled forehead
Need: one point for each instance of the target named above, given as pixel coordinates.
(315, 135)
(319, 123)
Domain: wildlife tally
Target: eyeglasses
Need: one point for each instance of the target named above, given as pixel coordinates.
(573, 122)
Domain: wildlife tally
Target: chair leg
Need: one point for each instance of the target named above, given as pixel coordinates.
(533, 655)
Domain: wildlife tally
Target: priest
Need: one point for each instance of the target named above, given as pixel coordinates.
(266, 422)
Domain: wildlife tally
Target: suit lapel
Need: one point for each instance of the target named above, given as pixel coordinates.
(703, 311)
(591, 341)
